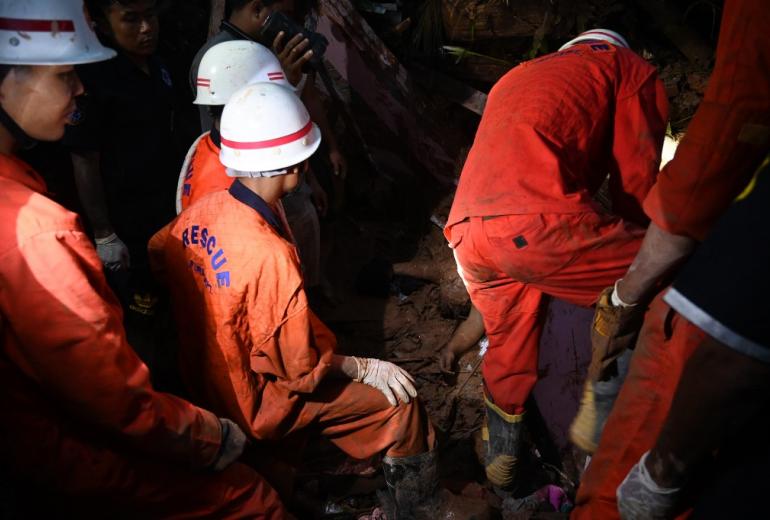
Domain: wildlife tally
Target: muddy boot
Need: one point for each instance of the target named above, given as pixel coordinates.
(596, 405)
(502, 434)
(415, 495)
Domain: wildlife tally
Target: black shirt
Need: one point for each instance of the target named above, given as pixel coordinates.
(127, 116)
(724, 288)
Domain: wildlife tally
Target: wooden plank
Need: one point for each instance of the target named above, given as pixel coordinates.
(215, 18)
(385, 86)
(470, 98)
(672, 24)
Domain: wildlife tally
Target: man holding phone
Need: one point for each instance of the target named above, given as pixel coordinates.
(244, 20)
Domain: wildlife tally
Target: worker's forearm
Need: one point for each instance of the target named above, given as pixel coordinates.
(91, 192)
(419, 269)
(344, 366)
(719, 388)
(468, 333)
(318, 113)
(660, 253)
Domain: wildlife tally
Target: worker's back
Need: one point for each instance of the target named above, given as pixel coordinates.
(550, 132)
(241, 311)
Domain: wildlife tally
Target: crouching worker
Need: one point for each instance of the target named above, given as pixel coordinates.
(80, 420)
(250, 346)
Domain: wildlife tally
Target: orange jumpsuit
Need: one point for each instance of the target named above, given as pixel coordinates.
(202, 173)
(251, 349)
(727, 139)
(523, 224)
(79, 414)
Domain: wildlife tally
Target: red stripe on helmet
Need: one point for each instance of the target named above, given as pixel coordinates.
(203, 81)
(270, 143)
(21, 25)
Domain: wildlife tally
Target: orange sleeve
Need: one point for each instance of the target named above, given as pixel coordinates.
(638, 130)
(291, 343)
(156, 250)
(72, 343)
(730, 133)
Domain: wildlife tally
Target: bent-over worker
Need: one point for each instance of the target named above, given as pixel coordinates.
(523, 224)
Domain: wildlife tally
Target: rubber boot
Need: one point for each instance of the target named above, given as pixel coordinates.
(412, 481)
(595, 407)
(415, 495)
(502, 435)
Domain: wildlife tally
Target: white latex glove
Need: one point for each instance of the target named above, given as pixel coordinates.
(387, 378)
(640, 498)
(233, 444)
(113, 253)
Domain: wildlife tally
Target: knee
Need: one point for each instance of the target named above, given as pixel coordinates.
(415, 431)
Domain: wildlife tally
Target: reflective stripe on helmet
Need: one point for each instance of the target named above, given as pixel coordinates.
(270, 143)
(19, 24)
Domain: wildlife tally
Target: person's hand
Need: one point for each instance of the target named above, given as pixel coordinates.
(386, 377)
(232, 446)
(292, 55)
(339, 163)
(446, 360)
(113, 252)
(615, 328)
(320, 199)
(641, 498)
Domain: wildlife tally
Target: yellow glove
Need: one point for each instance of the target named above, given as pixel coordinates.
(615, 328)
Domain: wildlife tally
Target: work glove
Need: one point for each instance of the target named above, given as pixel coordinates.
(640, 498)
(387, 378)
(113, 253)
(232, 446)
(615, 328)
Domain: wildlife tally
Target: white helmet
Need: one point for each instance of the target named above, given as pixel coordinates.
(42, 32)
(604, 35)
(228, 66)
(265, 129)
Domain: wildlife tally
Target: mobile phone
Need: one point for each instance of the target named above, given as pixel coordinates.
(278, 21)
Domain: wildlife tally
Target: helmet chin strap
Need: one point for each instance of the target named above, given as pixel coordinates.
(24, 141)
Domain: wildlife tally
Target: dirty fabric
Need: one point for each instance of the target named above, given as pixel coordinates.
(554, 127)
(570, 256)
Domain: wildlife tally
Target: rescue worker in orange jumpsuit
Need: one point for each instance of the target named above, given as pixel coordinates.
(724, 144)
(80, 418)
(251, 348)
(523, 225)
(721, 402)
